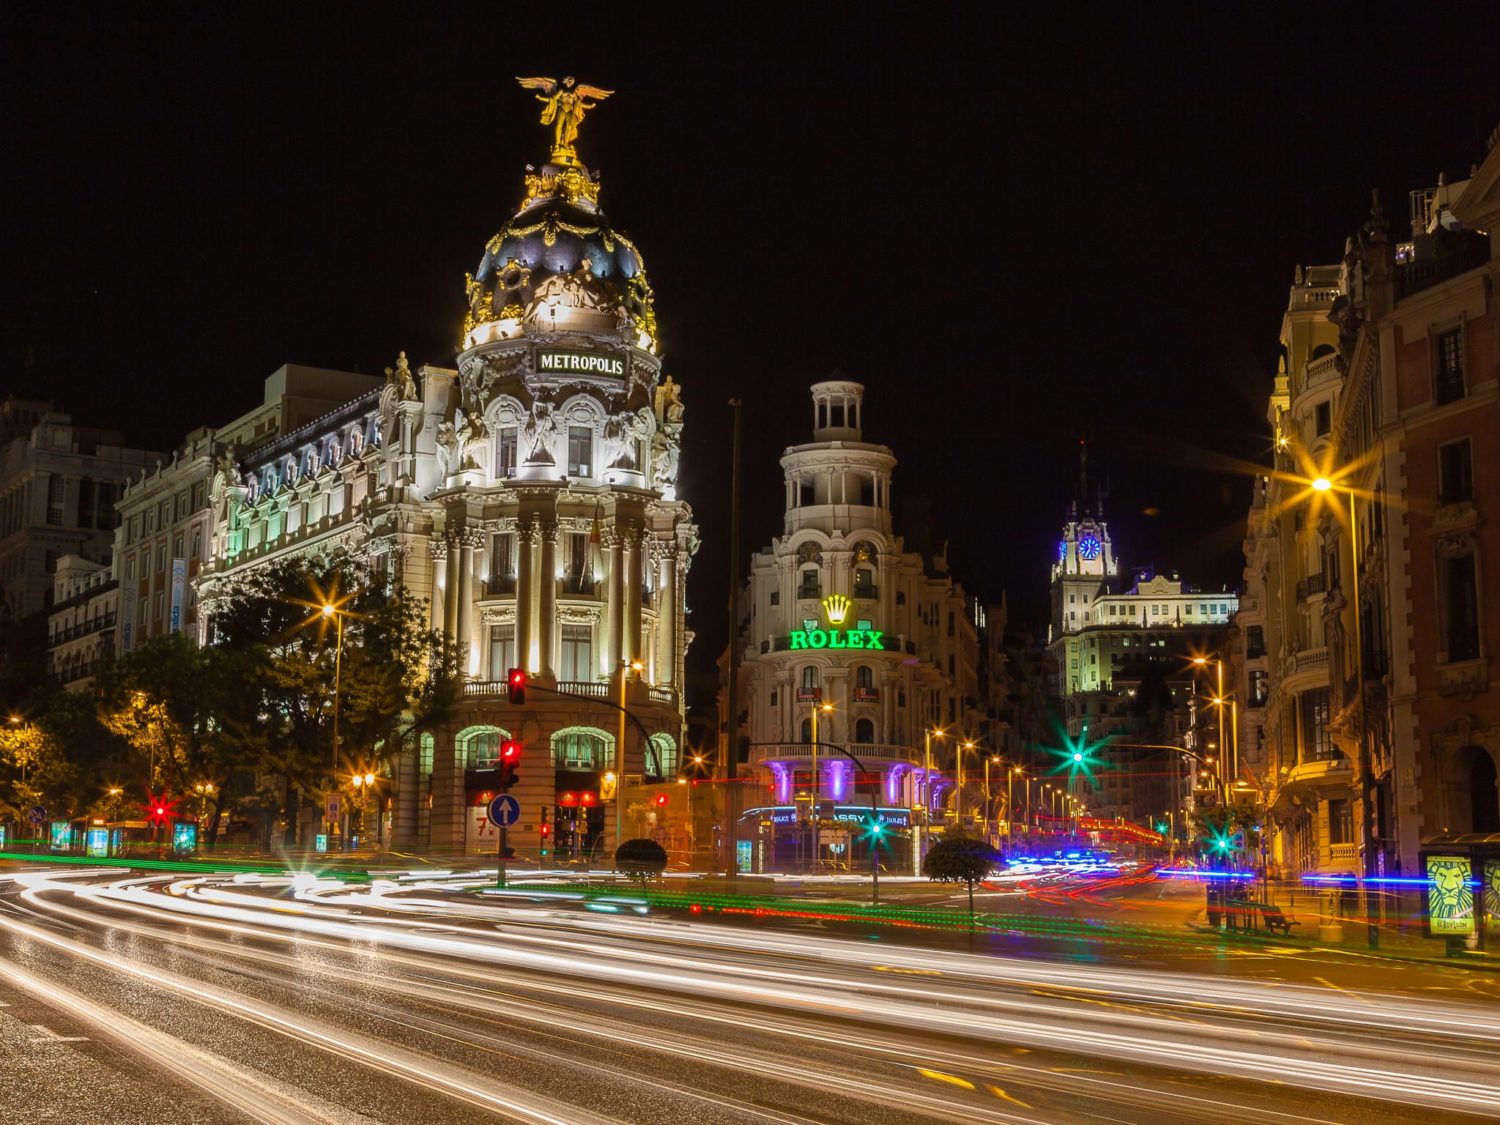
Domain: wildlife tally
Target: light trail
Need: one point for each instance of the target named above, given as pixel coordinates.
(1429, 1052)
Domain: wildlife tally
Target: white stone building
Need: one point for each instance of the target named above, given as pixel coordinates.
(81, 623)
(530, 496)
(836, 611)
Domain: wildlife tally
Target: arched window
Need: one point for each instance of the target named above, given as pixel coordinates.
(807, 730)
(582, 748)
(665, 747)
(864, 730)
(479, 747)
(810, 676)
(864, 677)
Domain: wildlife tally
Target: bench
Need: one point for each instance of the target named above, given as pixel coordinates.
(1270, 916)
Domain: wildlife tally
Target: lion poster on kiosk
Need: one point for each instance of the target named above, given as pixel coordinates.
(1492, 895)
(1450, 897)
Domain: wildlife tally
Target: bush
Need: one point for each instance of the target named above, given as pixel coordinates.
(641, 859)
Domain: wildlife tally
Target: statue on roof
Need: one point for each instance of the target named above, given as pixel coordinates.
(563, 106)
(400, 377)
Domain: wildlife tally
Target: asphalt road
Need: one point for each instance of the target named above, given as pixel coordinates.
(180, 999)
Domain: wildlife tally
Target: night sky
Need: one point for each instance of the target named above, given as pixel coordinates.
(1013, 232)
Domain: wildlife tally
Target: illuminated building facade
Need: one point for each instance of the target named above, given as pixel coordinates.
(1382, 611)
(81, 624)
(837, 613)
(530, 496)
(1122, 661)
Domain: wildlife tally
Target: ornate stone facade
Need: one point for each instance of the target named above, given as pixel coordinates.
(529, 495)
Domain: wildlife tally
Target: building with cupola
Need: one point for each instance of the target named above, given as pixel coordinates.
(529, 494)
(1122, 652)
(853, 646)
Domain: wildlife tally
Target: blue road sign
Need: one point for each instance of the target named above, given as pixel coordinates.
(37, 815)
(505, 810)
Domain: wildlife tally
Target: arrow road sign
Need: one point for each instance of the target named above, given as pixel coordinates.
(37, 815)
(505, 810)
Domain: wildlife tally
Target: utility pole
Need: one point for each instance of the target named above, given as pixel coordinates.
(731, 724)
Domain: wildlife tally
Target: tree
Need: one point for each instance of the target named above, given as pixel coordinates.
(960, 857)
(641, 859)
(395, 676)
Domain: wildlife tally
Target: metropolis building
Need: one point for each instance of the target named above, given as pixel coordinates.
(529, 495)
(841, 618)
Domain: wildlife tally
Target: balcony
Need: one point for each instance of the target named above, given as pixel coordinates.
(810, 591)
(866, 590)
(496, 586)
(578, 585)
(1312, 584)
(809, 694)
(594, 689)
(866, 695)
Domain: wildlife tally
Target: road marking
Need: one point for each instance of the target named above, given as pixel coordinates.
(999, 1093)
(46, 1035)
(1328, 983)
(951, 1079)
(907, 972)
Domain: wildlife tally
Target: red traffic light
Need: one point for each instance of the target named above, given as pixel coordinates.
(510, 750)
(661, 800)
(515, 685)
(546, 831)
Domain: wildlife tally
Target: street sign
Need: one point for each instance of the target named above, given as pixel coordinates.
(333, 807)
(505, 810)
(37, 815)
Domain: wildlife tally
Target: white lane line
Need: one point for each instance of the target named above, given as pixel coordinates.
(235, 1086)
(45, 1034)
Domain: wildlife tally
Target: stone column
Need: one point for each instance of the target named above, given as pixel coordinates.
(468, 543)
(408, 774)
(439, 548)
(634, 578)
(614, 610)
(666, 618)
(450, 588)
(525, 580)
(546, 618)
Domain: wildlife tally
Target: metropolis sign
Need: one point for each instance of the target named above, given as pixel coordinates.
(555, 361)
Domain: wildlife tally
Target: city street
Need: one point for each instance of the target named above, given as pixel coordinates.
(225, 998)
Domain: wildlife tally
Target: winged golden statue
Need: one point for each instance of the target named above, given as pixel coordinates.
(563, 106)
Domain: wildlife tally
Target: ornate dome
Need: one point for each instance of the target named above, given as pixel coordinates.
(559, 251)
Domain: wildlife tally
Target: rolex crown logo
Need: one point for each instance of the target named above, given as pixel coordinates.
(836, 608)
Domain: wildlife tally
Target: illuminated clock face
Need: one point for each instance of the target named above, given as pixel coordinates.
(1088, 547)
(1062, 549)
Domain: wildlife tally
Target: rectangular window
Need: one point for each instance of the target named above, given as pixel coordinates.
(1255, 641)
(1340, 821)
(505, 451)
(810, 588)
(577, 653)
(1461, 600)
(1455, 472)
(579, 578)
(1323, 417)
(580, 451)
(1260, 688)
(57, 490)
(1450, 366)
(1317, 744)
(502, 650)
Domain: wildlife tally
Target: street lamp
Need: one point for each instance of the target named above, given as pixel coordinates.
(1219, 700)
(633, 666)
(364, 785)
(1010, 811)
(989, 807)
(927, 736)
(204, 789)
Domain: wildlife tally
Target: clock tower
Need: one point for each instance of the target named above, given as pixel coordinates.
(1081, 570)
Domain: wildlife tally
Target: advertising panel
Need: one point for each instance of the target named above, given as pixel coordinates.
(744, 857)
(184, 837)
(62, 836)
(96, 842)
(1450, 898)
(1492, 895)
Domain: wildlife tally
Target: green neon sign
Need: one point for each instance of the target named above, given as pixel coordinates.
(869, 639)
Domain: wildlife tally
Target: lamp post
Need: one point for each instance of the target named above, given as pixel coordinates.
(1010, 808)
(1231, 748)
(927, 736)
(633, 666)
(204, 790)
(331, 610)
(989, 805)
(364, 785)
(1366, 767)
(817, 706)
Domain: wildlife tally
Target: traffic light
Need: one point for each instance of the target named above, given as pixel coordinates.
(661, 800)
(515, 685)
(510, 758)
(546, 831)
